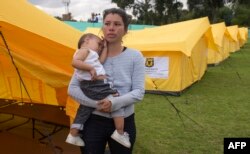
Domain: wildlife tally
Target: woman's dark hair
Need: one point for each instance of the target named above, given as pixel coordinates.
(84, 37)
(121, 13)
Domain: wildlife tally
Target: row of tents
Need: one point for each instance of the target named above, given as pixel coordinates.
(188, 48)
(36, 51)
(177, 55)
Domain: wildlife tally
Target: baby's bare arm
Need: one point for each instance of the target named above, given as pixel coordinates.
(78, 60)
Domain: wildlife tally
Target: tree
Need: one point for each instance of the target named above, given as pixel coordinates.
(143, 11)
(123, 3)
(59, 18)
(226, 15)
(213, 7)
(160, 11)
(169, 5)
(178, 8)
(241, 12)
(193, 4)
(242, 15)
(210, 8)
(246, 2)
(168, 11)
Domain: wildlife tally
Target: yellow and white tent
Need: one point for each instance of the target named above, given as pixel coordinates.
(42, 49)
(222, 42)
(234, 42)
(175, 54)
(242, 37)
(246, 32)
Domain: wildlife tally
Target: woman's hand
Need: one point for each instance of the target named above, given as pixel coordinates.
(104, 105)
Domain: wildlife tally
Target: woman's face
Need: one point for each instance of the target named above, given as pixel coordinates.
(113, 28)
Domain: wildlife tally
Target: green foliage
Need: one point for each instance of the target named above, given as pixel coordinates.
(144, 13)
(160, 12)
(123, 3)
(245, 2)
(186, 15)
(208, 8)
(242, 15)
(193, 4)
(226, 15)
(214, 108)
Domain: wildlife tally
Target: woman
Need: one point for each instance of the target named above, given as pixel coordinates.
(125, 70)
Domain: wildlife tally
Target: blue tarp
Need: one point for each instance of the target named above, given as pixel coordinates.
(82, 26)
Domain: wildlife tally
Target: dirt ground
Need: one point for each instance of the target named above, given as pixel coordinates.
(19, 140)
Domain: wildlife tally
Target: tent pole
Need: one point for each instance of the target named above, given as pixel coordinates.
(13, 62)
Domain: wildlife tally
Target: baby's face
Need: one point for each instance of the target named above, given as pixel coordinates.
(95, 44)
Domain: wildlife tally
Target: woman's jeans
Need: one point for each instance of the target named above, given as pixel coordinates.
(97, 131)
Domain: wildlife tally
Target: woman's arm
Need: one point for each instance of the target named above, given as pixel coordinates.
(76, 93)
(137, 90)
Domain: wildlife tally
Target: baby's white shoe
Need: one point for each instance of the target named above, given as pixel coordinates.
(121, 138)
(75, 140)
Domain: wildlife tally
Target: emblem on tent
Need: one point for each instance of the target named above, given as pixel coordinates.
(149, 62)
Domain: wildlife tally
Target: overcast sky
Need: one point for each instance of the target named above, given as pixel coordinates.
(80, 9)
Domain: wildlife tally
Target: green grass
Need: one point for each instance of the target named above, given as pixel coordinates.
(214, 108)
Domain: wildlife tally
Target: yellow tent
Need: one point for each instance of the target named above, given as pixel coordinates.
(96, 31)
(175, 56)
(42, 49)
(222, 43)
(234, 42)
(242, 36)
(246, 32)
